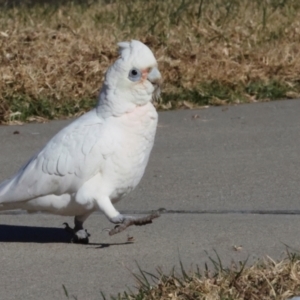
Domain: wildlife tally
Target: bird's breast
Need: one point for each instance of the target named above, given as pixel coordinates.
(129, 160)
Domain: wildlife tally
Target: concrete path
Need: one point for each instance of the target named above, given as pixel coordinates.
(227, 176)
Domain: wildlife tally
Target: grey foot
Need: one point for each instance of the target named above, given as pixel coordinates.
(126, 221)
(80, 236)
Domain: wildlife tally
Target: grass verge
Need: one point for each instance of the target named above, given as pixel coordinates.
(211, 52)
(265, 280)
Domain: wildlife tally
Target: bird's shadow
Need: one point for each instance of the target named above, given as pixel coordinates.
(32, 234)
(105, 245)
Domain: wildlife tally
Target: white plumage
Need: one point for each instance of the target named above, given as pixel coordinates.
(101, 156)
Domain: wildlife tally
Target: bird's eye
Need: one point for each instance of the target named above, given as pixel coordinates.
(134, 74)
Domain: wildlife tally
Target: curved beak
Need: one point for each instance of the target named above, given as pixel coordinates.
(155, 78)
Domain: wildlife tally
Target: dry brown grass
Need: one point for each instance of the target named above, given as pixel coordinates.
(266, 280)
(52, 58)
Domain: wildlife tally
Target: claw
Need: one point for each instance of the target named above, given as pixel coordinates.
(68, 228)
(79, 237)
(138, 222)
(77, 240)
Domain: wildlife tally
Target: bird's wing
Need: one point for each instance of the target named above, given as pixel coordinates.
(69, 159)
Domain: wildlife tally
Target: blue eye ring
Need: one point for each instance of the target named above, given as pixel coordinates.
(134, 75)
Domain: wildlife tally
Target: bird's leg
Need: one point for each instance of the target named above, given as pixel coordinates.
(127, 221)
(123, 221)
(80, 235)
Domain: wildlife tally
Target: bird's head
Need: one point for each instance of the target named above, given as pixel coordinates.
(134, 78)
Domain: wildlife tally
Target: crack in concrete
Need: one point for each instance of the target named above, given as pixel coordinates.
(220, 212)
(184, 212)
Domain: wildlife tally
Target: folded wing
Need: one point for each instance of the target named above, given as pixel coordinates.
(70, 158)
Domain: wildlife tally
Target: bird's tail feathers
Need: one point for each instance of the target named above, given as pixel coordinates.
(4, 187)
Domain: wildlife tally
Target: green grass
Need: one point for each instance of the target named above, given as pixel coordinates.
(45, 108)
(216, 93)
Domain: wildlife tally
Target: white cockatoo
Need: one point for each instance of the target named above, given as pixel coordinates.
(101, 156)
